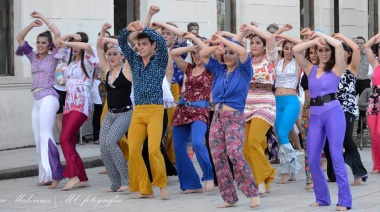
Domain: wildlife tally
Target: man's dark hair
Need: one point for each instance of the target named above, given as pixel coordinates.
(360, 37)
(142, 35)
(274, 26)
(192, 24)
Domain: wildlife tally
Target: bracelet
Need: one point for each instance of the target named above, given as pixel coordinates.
(50, 25)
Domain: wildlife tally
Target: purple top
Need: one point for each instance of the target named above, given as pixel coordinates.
(42, 70)
(325, 84)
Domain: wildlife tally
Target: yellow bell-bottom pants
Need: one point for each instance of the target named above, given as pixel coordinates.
(146, 120)
(123, 141)
(169, 144)
(254, 151)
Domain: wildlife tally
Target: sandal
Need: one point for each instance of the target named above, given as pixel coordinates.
(97, 142)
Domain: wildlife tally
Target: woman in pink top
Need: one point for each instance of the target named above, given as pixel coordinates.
(373, 108)
(45, 103)
(78, 76)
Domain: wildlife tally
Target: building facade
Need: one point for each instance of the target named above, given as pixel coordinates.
(355, 18)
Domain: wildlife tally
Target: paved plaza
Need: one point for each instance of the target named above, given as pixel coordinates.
(21, 194)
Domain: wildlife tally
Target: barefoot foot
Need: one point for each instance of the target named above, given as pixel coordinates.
(190, 191)
(209, 185)
(226, 205)
(255, 202)
(356, 182)
(43, 183)
(164, 194)
(71, 183)
(102, 172)
(142, 196)
(107, 190)
(284, 179)
(123, 188)
(54, 184)
(82, 184)
(262, 188)
(375, 172)
(309, 186)
(340, 208)
(314, 204)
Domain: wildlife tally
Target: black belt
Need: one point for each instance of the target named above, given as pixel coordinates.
(320, 100)
(120, 109)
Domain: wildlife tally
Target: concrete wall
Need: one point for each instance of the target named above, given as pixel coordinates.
(266, 12)
(181, 12)
(16, 99)
(353, 19)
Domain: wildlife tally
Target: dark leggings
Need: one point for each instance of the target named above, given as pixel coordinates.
(96, 121)
(351, 154)
(170, 169)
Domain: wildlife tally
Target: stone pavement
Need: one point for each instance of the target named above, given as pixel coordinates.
(22, 194)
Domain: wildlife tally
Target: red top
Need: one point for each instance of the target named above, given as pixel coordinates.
(198, 88)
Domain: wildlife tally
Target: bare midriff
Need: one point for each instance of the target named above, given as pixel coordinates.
(285, 91)
(224, 107)
(261, 86)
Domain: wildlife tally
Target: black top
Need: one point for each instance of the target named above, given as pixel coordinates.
(120, 96)
(304, 82)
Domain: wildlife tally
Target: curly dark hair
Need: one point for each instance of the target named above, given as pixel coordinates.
(307, 54)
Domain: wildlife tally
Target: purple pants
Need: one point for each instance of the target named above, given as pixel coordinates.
(227, 135)
(330, 122)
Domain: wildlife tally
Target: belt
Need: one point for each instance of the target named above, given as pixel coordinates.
(202, 103)
(320, 100)
(120, 109)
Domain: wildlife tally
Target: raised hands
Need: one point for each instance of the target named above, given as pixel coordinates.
(215, 38)
(100, 43)
(377, 38)
(59, 43)
(321, 42)
(154, 9)
(254, 23)
(306, 32)
(36, 23)
(135, 26)
(188, 35)
(287, 27)
(76, 37)
(245, 28)
(106, 26)
(36, 14)
(156, 25)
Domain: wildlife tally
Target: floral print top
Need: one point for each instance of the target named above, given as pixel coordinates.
(198, 88)
(78, 85)
(263, 71)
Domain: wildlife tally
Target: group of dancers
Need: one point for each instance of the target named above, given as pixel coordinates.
(158, 76)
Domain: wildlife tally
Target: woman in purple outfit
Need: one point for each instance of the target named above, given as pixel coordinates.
(326, 116)
(45, 103)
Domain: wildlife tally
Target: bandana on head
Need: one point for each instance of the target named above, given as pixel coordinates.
(117, 48)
